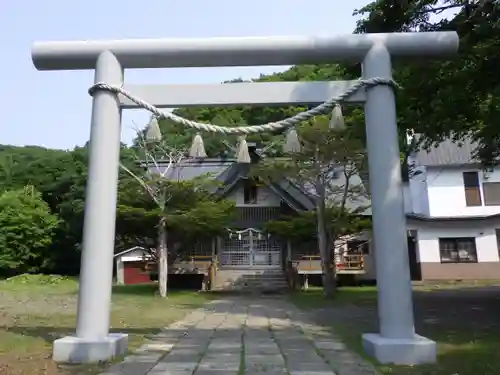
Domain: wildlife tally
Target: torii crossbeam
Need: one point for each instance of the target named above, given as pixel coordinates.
(397, 341)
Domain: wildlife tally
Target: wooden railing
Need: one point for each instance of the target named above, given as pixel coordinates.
(351, 262)
(206, 265)
(311, 265)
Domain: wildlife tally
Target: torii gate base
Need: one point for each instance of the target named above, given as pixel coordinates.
(397, 341)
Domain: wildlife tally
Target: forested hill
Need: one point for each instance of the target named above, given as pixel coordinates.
(438, 97)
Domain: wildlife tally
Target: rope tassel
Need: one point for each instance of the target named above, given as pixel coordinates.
(337, 119)
(197, 147)
(292, 142)
(153, 133)
(243, 155)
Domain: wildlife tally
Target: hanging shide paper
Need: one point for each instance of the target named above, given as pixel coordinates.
(197, 147)
(242, 154)
(292, 142)
(153, 132)
(337, 119)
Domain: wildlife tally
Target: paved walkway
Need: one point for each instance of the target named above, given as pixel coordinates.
(236, 336)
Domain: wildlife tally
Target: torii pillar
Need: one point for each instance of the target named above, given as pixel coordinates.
(396, 342)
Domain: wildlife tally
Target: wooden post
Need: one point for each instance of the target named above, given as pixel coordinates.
(211, 276)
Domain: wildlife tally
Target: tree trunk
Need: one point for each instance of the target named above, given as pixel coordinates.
(162, 251)
(328, 275)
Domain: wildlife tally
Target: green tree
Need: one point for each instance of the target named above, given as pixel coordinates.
(60, 176)
(203, 219)
(302, 227)
(327, 168)
(26, 231)
(180, 210)
(460, 96)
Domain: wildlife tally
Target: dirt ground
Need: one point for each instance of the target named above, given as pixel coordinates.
(465, 322)
(32, 316)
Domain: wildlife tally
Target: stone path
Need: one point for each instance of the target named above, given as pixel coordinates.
(236, 336)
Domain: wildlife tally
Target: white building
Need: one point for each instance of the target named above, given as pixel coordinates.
(453, 213)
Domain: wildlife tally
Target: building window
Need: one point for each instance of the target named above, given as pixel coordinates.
(358, 247)
(250, 192)
(472, 190)
(458, 250)
(491, 192)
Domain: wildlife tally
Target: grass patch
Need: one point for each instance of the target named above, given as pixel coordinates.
(463, 321)
(313, 298)
(35, 312)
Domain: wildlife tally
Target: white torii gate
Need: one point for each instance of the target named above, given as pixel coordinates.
(397, 341)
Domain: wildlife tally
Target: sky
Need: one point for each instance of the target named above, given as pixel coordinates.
(52, 109)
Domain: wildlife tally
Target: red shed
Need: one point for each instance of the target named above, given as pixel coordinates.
(131, 266)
